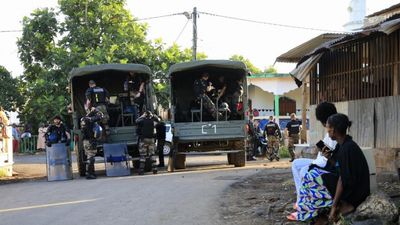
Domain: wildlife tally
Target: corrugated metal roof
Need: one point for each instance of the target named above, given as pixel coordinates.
(268, 75)
(391, 8)
(309, 60)
(294, 55)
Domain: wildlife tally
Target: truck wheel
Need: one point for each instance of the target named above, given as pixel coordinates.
(230, 158)
(180, 161)
(172, 158)
(239, 158)
(81, 158)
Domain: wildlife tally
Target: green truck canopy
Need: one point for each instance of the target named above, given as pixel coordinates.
(228, 64)
(138, 68)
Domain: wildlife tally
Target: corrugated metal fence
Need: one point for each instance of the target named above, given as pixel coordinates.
(375, 122)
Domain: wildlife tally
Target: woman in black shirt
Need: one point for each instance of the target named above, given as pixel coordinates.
(353, 186)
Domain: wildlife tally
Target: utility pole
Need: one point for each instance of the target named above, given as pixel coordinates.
(194, 50)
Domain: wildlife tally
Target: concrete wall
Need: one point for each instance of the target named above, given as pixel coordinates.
(260, 98)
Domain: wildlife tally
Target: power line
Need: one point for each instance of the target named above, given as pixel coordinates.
(269, 23)
(162, 16)
(182, 31)
(10, 31)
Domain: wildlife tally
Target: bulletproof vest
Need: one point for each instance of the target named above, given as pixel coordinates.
(200, 87)
(294, 127)
(57, 134)
(160, 130)
(271, 129)
(147, 128)
(98, 95)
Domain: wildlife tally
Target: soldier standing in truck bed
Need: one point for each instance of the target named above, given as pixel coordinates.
(98, 97)
(201, 87)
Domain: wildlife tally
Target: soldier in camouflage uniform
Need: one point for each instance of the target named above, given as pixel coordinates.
(145, 130)
(292, 130)
(273, 134)
(91, 132)
(201, 87)
(99, 97)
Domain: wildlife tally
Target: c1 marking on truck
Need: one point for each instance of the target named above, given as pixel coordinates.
(208, 125)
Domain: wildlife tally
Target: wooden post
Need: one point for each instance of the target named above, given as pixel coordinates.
(303, 134)
(395, 80)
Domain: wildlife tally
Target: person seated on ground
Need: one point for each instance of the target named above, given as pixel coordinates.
(201, 87)
(341, 185)
(300, 166)
(353, 184)
(57, 133)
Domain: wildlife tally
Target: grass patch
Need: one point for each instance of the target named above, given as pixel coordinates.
(284, 152)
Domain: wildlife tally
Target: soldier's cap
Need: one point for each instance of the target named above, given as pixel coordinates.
(57, 117)
(92, 82)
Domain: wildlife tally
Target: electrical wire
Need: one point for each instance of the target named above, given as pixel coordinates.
(269, 23)
(162, 16)
(184, 27)
(10, 31)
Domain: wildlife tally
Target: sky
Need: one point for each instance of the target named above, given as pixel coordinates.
(218, 38)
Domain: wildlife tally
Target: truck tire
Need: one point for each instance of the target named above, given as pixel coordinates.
(230, 158)
(81, 160)
(239, 158)
(180, 161)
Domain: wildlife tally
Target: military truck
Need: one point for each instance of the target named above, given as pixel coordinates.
(195, 130)
(112, 77)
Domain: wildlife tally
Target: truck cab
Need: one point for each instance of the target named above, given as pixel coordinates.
(113, 78)
(195, 131)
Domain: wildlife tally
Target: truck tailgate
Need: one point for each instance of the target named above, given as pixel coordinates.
(209, 130)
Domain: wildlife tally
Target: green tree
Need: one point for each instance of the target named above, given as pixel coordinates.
(10, 96)
(253, 69)
(83, 33)
(270, 69)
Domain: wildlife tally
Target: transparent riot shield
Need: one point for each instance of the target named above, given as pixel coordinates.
(59, 164)
(116, 159)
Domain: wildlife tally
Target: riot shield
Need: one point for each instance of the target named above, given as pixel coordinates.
(59, 164)
(116, 159)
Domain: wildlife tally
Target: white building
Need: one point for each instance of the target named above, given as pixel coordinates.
(357, 10)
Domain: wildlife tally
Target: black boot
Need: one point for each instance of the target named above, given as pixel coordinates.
(141, 166)
(90, 169)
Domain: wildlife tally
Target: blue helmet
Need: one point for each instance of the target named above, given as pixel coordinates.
(97, 130)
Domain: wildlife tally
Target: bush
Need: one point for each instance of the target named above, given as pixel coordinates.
(284, 152)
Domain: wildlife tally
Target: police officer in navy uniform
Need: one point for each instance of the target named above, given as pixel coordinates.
(292, 131)
(273, 134)
(201, 87)
(145, 130)
(98, 97)
(91, 132)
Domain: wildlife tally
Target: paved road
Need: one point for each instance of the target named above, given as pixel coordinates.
(190, 197)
